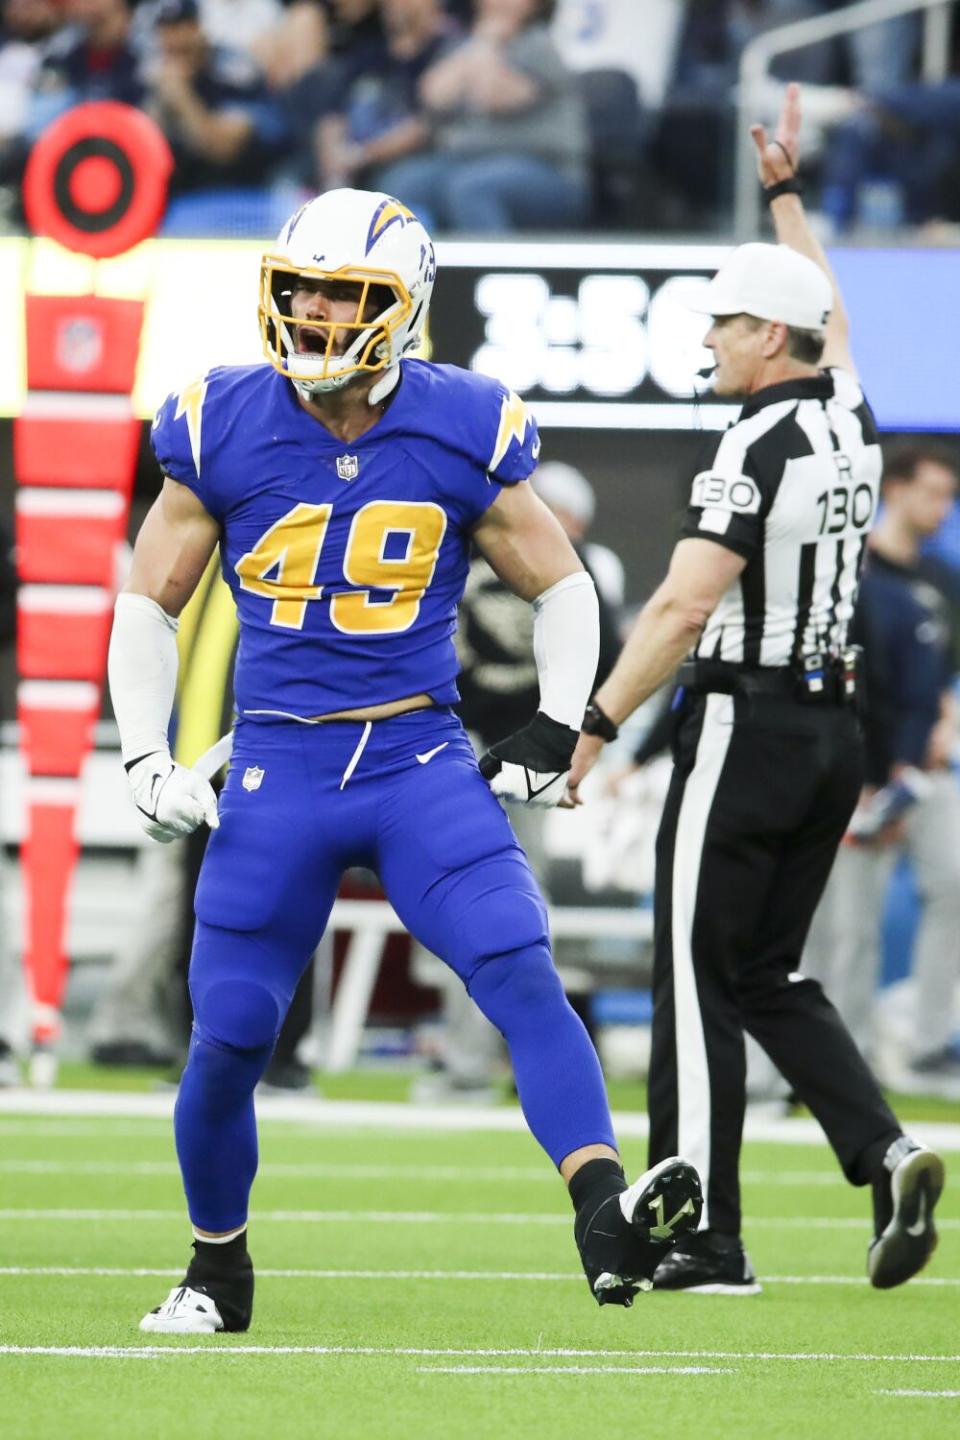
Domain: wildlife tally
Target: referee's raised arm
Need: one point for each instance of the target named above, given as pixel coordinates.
(778, 161)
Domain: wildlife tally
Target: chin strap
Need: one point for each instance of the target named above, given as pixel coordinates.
(310, 389)
(384, 386)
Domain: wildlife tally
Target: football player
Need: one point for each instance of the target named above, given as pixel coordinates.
(344, 484)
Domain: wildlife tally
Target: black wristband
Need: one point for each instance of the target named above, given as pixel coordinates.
(597, 722)
(790, 186)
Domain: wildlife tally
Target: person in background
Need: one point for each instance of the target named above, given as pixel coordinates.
(694, 141)
(212, 104)
(509, 130)
(351, 45)
(285, 38)
(498, 672)
(25, 28)
(356, 34)
(381, 120)
(571, 497)
(911, 801)
(93, 58)
(906, 140)
(240, 24)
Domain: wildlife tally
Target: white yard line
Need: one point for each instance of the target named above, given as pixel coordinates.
(419, 1217)
(333, 1170)
(925, 1394)
(575, 1370)
(399, 1115)
(537, 1276)
(106, 1128)
(217, 1347)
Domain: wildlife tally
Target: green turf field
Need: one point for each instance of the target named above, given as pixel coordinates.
(413, 1285)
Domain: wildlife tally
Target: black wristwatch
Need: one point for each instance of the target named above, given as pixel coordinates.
(597, 722)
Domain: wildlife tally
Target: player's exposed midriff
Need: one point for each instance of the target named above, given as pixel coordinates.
(379, 712)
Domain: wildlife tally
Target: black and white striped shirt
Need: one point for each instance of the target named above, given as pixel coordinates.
(792, 487)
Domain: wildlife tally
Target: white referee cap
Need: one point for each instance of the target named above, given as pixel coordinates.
(771, 282)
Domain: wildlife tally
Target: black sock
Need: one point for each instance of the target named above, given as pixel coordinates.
(221, 1258)
(870, 1165)
(225, 1273)
(595, 1180)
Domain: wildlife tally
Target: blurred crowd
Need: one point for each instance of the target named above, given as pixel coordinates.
(485, 116)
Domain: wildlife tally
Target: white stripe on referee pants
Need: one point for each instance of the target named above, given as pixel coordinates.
(693, 1075)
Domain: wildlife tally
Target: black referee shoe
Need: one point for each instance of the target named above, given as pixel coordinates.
(707, 1264)
(904, 1195)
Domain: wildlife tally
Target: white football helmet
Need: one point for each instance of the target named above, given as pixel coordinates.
(360, 237)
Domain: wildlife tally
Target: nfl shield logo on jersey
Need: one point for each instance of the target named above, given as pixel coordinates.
(253, 777)
(348, 467)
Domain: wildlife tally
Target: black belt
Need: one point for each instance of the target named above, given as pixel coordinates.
(833, 682)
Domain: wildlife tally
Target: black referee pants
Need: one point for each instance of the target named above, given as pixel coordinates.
(762, 791)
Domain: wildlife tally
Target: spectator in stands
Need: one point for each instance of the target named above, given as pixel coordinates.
(908, 138)
(25, 27)
(912, 799)
(509, 131)
(381, 120)
(694, 146)
(872, 57)
(240, 24)
(356, 34)
(354, 46)
(212, 104)
(296, 43)
(93, 58)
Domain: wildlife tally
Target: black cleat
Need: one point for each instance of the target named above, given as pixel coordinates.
(904, 1196)
(623, 1238)
(209, 1298)
(707, 1264)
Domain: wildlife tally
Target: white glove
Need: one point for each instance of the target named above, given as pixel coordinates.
(170, 799)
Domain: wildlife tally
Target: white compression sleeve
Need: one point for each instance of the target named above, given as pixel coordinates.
(142, 669)
(566, 646)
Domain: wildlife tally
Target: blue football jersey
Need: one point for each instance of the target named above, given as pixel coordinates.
(346, 561)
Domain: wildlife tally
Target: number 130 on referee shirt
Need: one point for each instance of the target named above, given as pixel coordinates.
(291, 549)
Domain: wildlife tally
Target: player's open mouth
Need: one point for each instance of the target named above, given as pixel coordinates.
(314, 342)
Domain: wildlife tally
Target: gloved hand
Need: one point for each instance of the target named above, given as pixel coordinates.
(888, 804)
(531, 766)
(170, 799)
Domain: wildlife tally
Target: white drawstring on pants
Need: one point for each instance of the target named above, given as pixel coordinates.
(355, 757)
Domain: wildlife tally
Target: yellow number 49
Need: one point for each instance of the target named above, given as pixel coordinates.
(282, 566)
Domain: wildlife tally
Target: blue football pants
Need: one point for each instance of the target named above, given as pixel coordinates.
(404, 798)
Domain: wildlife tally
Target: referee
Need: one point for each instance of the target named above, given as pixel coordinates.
(767, 751)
